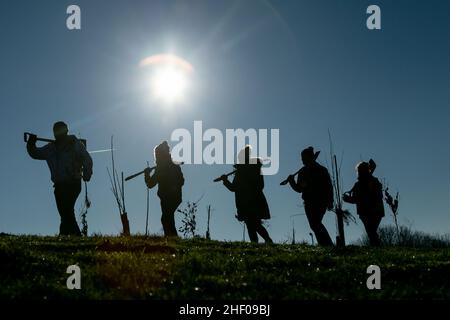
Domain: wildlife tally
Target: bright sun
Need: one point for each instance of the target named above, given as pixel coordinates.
(169, 84)
(170, 77)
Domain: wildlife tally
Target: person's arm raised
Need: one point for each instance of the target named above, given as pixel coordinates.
(150, 180)
(35, 152)
(295, 185)
(229, 185)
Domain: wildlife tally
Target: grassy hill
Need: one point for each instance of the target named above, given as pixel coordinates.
(154, 268)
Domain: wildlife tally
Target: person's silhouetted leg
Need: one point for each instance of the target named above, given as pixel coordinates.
(371, 225)
(168, 218)
(251, 229)
(315, 215)
(66, 195)
(263, 232)
(73, 228)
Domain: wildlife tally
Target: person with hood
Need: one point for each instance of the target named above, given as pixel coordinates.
(367, 194)
(314, 183)
(251, 204)
(170, 180)
(69, 162)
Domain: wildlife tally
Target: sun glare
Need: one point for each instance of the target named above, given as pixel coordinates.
(169, 84)
(169, 77)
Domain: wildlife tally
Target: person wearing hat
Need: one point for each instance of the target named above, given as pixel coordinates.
(69, 162)
(314, 183)
(170, 180)
(367, 194)
(251, 204)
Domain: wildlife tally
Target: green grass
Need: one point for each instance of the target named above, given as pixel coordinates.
(34, 267)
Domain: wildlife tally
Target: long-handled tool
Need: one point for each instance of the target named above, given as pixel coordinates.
(224, 176)
(257, 160)
(284, 182)
(141, 172)
(26, 136)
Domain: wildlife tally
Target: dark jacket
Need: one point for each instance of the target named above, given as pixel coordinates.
(66, 160)
(248, 185)
(314, 183)
(170, 181)
(367, 194)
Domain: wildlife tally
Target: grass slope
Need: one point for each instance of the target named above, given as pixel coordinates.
(154, 268)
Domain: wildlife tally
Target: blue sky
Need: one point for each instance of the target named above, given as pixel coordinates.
(302, 67)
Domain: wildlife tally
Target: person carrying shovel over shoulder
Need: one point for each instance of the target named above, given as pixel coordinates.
(251, 204)
(69, 162)
(169, 178)
(314, 183)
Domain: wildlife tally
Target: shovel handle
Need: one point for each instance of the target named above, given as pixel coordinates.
(26, 136)
(226, 175)
(285, 182)
(141, 172)
(137, 174)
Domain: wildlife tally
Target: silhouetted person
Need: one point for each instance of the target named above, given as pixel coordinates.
(367, 194)
(169, 178)
(251, 204)
(315, 185)
(69, 162)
